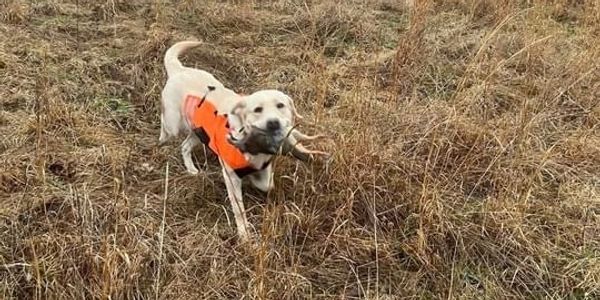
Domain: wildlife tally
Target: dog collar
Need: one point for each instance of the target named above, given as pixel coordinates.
(249, 170)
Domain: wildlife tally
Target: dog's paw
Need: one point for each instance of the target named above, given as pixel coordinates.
(193, 171)
(250, 243)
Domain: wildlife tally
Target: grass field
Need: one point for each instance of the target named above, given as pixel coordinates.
(465, 137)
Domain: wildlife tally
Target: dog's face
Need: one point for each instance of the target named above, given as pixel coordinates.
(270, 111)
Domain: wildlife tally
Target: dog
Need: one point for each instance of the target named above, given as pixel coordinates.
(196, 104)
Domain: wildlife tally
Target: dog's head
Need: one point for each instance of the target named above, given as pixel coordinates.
(269, 111)
(267, 119)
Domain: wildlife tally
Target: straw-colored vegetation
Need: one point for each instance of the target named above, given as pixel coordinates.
(465, 137)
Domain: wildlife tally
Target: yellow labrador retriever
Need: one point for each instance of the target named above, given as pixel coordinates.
(196, 104)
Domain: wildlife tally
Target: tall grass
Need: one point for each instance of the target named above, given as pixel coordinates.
(465, 134)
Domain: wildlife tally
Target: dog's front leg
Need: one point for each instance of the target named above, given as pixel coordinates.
(234, 191)
(263, 179)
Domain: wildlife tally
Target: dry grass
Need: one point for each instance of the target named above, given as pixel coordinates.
(465, 133)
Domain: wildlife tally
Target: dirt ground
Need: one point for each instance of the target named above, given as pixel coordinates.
(465, 137)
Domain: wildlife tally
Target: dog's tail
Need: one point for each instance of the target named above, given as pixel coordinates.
(172, 63)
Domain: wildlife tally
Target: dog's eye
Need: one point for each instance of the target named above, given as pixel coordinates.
(258, 109)
(280, 105)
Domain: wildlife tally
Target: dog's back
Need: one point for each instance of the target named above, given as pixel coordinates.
(181, 81)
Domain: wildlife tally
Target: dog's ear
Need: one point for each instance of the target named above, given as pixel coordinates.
(239, 110)
(293, 107)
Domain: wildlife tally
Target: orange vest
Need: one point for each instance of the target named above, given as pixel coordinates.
(212, 129)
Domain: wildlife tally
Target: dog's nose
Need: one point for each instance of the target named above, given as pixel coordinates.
(273, 125)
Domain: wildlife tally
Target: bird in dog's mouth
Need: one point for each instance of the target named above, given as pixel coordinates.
(261, 141)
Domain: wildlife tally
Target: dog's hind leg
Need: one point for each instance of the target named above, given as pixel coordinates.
(164, 136)
(186, 152)
(170, 123)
